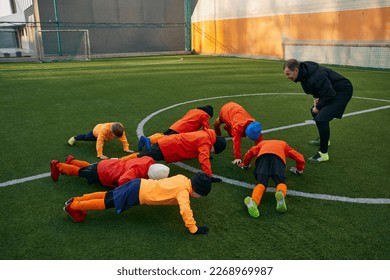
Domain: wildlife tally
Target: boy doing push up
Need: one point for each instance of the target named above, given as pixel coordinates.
(175, 190)
(271, 163)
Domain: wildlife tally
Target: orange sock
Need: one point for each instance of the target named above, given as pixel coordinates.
(257, 193)
(129, 156)
(91, 201)
(79, 163)
(68, 169)
(93, 204)
(155, 137)
(89, 196)
(282, 187)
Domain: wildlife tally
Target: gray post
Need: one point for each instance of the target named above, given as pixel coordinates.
(187, 21)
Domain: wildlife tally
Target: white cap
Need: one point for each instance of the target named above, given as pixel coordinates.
(158, 171)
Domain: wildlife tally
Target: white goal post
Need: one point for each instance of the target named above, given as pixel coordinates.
(375, 54)
(66, 43)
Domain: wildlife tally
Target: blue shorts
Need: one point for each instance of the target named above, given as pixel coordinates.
(127, 195)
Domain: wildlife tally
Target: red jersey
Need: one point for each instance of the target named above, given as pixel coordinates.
(197, 144)
(193, 120)
(236, 120)
(113, 172)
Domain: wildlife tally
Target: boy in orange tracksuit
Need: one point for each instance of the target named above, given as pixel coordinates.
(103, 132)
(111, 172)
(175, 190)
(238, 123)
(193, 120)
(271, 163)
(178, 147)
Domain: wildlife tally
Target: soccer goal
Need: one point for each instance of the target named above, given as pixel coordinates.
(374, 54)
(66, 44)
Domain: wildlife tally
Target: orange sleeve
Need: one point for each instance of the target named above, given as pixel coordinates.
(124, 141)
(101, 135)
(186, 213)
(204, 159)
(236, 139)
(251, 153)
(217, 127)
(298, 157)
(205, 122)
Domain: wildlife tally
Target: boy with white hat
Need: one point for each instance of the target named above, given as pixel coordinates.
(110, 172)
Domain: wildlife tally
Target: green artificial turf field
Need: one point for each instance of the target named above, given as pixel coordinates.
(42, 105)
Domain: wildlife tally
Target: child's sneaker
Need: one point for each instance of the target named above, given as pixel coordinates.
(69, 159)
(319, 157)
(69, 201)
(76, 215)
(55, 173)
(281, 206)
(252, 207)
(71, 141)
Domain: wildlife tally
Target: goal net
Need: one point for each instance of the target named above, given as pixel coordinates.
(66, 44)
(375, 54)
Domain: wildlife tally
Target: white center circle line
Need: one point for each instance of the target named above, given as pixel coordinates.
(140, 132)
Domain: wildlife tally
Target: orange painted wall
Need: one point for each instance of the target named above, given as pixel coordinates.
(263, 36)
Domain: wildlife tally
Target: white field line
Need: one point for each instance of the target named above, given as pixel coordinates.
(293, 192)
(157, 63)
(26, 179)
(141, 125)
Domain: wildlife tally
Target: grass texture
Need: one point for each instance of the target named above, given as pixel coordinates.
(42, 105)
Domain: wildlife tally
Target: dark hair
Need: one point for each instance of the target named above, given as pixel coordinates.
(117, 129)
(291, 64)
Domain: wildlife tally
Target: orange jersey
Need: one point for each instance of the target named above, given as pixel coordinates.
(197, 144)
(276, 147)
(174, 190)
(236, 119)
(103, 133)
(113, 172)
(193, 120)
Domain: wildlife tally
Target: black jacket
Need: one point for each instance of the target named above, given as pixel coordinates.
(322, 82)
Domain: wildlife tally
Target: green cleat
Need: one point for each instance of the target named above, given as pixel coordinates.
(319, 157)
(252, 207)
(316, 142)
(281, 206)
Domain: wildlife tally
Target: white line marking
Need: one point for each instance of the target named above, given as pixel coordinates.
(293, 192)
(157, 63)
(26, 179)
(139, 132)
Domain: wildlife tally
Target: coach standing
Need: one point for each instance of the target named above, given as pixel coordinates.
(331, 92)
